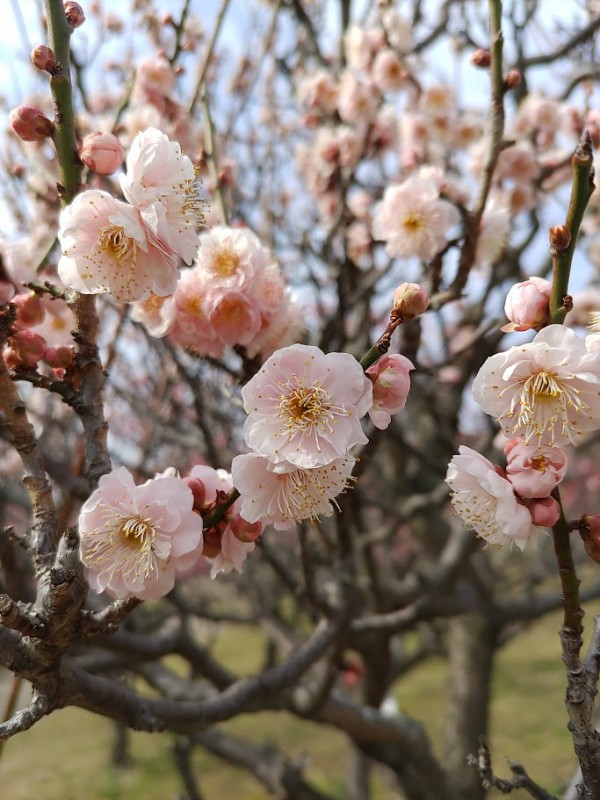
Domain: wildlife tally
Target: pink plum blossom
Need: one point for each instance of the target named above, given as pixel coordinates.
(234, 318)
(107, 248)
(135, 540)
(527, 305)
(160, 183)
(304, 406)
(391, 384)
(534, 471)
(283, 494)
(486, 502)
(547, 391)
(191, 327)
(228, 258)
(412, 220)
(155, 313)
(493, 233)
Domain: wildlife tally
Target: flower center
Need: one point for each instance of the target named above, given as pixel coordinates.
(226, 262)
(305, 405)
(413, 222)
(545, 402)
(116, 244)
(137, 533)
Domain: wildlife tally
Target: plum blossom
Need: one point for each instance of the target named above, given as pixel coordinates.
(534, 471)
(412, 220)
(391, 384)
(160, 183)
(547, 391)
(283, 494)
(135, 540)
(304, 406)
(486, 501)
(107, 248)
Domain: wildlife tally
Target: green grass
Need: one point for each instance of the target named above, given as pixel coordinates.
(66, 756)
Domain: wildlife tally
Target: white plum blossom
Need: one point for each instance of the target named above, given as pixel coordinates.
(107, 248)
(283, 494)
(486, 501)
(135, 540)
(546, 392)
(160, 183)
(304, 406)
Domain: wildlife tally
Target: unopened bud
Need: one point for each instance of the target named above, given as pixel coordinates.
(513, 79)
(43, 58)
(102, 152)
(527, 305)
(410, 300)
(560, 238)
(211, 543)
(58, 357)
(481, 58)
(544, 512)
(591, 536)
(198, 490)
(31, 124)
(28, 346)
(31, 310)
(243, 530)
(74, 13)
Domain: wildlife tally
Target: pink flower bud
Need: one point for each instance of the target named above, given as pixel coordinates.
(31, 310)
(410, 300)
(527, 305)
(58, 357)
(544, 512)
(28, 346)
(590, 536)
(43, 58)
(243, 530)
(391, 384)
(198, 490)
(74, 13)
(211, 545)
(102, 152)
(534, 471)
(30, 124)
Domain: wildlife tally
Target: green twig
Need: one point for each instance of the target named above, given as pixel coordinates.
(583, 186)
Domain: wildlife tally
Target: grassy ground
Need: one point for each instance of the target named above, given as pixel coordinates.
(65, 757)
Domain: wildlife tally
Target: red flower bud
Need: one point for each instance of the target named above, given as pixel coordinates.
(30, 124)
(43, 58)
(74, 12)
(30, 310)
(410, 300)
(102, 152)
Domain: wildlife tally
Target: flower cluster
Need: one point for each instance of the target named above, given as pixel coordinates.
(304, 410)
(41, 333)
(137, 540)
(546, 394)
(235, 294)
(132, 249)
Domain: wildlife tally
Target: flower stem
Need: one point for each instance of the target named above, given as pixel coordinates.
(65, 139)
(573, 614)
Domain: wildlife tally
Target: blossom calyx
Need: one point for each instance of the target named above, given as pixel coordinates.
(102, 152)
(31, 124)
(410, 300)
